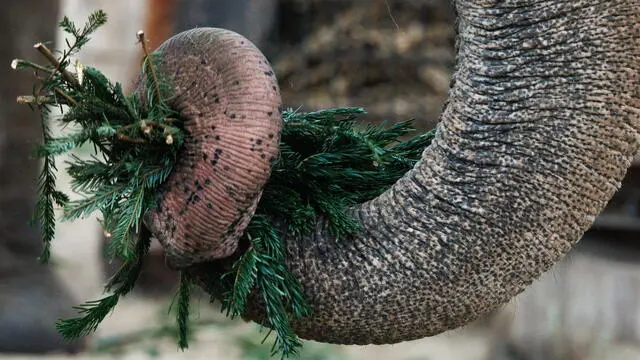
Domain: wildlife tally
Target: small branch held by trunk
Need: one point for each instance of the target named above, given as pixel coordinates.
(145, 49)
(46, 99)
(38, 100)
(125, 138)
(66, 96)
(68, 77)
(18, 64)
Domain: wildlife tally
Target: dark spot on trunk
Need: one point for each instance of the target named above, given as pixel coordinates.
(259, 141)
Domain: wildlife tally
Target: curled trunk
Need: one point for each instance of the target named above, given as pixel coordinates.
(228, 98)
(540, 126)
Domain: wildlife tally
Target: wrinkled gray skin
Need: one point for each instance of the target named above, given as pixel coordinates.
(540, 126)
(31, 299)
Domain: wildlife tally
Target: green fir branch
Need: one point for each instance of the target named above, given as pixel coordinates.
(44, 214)
(81, 37)
(93, 312)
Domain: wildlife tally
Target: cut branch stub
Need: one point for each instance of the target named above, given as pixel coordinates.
(227, 95)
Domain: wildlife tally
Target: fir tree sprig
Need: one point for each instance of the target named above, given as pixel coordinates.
(121, 283)
(44, 214)
(327, 164)
(124, 183)
(81, 37)
(262, 268)
(49, 196)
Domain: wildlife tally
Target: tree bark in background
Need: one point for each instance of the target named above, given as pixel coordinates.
(31, 298)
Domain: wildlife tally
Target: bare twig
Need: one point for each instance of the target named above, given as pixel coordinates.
(386, 2)
(45, 99)
(68, 77)
(152, 69)
(66, 96)
(18, 64)
(38, 100)
(125, 138)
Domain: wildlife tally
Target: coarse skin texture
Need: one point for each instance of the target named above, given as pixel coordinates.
(540, 126)
(229, 100)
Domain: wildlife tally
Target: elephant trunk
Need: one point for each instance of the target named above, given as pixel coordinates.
(540, 126)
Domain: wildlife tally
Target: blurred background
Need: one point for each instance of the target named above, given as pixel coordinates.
(393, 57)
